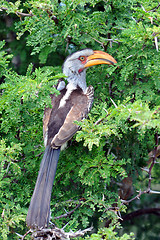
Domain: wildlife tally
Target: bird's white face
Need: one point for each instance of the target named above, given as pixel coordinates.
(75, 65)
(73, 68)
(75, 62)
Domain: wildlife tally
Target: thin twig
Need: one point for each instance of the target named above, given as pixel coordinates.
(68, 213)
(130, 216)
(156, 43)
(148, 190)
(153, 163)
(102, 44)
(39, 154)
(19, 13)
(129, 56)
(31, 14)
(25, 14)
(28, 232)
(57, 233)
(134, 198)
(3, 8)
(152, 10)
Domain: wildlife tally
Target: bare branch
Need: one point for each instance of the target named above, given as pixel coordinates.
(101, 119)
(19, 13)
(3, 8)
(129, 56)
(56, 233)
(25, 14)
(153, 155)
(67, 214)
(102, 44)
(156, 43)
(152, 10)
(30, 14)
(143, 8)
(155, 211)
(28, 232)
(134, 198)
(153, 162)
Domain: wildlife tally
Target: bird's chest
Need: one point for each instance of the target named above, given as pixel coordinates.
(67, 96)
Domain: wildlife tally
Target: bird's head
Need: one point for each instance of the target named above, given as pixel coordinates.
(76, 64)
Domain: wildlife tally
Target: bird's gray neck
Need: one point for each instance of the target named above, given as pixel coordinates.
(78, 79)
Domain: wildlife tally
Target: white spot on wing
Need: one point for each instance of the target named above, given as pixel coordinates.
(70, 88)
(46, 137)
(61, 85)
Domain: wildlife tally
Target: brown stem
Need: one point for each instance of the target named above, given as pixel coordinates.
(31, 14)
(19, 13)
(68, 213)
(140, 212)
(153, 161)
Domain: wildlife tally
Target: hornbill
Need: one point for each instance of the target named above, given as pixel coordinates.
(72, 104)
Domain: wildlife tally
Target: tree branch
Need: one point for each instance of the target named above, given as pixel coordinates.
(67, 214)
(56, 233)
(154, 155)
(152, 10)
(19, 13)
(153, 163)
(31, 14)
(129, 216)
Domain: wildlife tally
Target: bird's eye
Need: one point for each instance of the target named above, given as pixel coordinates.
(82, 58)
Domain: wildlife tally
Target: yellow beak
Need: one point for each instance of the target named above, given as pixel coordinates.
(99, 57)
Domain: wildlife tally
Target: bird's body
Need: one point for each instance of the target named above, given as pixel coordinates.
(72, 104)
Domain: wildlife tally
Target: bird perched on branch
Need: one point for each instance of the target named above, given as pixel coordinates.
(72, 104)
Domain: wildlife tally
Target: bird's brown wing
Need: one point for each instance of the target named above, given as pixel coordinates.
(61, 125)
(47, 112)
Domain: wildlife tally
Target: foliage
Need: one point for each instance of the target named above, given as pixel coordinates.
(109, 234)
(113, 142)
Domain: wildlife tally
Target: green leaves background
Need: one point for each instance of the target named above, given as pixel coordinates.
(119, 133)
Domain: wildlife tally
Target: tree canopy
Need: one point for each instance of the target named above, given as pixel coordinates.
(110, 165)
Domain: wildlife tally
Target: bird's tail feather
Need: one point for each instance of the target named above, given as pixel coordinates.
(39, 209)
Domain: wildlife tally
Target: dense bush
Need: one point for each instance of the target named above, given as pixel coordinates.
(114, 142)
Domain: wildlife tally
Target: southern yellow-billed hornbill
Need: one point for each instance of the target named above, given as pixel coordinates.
(73, 103)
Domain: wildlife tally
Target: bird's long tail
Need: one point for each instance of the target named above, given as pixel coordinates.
(39, 209)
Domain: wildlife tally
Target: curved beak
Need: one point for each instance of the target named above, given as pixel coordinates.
(99, 57)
